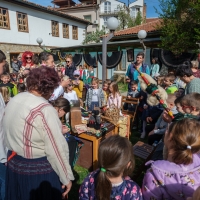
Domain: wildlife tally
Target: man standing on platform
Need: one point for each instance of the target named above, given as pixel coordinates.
(70, 67)
(132, 74)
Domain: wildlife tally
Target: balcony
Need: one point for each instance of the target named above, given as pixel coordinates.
(63, 3)
(109, 13)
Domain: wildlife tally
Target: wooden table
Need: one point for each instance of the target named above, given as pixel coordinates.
(88, 157)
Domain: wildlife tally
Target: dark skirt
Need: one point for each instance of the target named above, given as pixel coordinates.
(31, 179)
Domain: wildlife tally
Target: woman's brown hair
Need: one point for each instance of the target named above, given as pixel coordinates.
(43, 80)
(114, 85)
(184, 140)
(5, 94)
(116, 157)
(61, 103)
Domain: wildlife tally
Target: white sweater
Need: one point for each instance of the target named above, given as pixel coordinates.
(33, 130)
(3, 153)
(70, 96)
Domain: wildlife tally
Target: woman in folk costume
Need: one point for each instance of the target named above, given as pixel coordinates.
(38, 157)
(85, 74)
(91, 74)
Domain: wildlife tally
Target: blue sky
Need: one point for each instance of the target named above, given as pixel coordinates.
(150, 5)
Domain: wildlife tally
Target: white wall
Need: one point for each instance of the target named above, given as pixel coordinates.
(39, 24)
(114, 5)
(136, 4)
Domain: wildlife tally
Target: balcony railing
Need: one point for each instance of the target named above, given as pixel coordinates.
(109, 13)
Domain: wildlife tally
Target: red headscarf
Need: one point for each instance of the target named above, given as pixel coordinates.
(24, 55)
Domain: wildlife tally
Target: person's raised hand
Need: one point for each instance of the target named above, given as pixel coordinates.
(67, 188)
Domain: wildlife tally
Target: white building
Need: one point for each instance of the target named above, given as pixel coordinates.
(108, 9)
(22, 22)
(138, 6)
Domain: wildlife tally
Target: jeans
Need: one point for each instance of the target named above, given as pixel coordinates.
(93, 105)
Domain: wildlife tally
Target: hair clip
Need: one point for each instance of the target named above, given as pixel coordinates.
(189, 147)
(103, 169)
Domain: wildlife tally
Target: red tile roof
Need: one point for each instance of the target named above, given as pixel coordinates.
(151, 20)
(148, 27)
(75, 7)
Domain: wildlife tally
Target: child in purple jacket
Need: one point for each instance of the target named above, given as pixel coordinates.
(179, 176)
(110, 182)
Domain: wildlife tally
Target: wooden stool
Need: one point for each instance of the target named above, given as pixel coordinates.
(144, 152)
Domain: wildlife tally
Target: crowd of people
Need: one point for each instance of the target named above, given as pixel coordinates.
(35, 154)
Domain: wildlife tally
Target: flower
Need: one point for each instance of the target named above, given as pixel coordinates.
(91, 180)
(134, 190)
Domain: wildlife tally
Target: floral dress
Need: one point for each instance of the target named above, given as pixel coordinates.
(128, 190)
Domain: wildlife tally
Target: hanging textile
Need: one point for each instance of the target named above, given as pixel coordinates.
(171, 60)
(90, 60)
(113, 60)
(77, 58)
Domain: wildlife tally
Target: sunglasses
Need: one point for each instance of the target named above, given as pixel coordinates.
(67, 61)
(70, 85)
(76, 75)
(28, 57)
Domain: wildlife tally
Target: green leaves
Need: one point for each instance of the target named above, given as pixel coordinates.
(125, 19)
(181, 25)
(94, 37)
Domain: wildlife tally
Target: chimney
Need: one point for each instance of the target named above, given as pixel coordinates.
(144, 12)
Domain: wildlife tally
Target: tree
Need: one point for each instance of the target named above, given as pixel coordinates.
(94, 37)
(180, 25)
(138, 20)
(125, 19)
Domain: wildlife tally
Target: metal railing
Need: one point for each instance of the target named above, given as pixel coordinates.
(108, 12)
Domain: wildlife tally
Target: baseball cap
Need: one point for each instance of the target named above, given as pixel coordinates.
(76, 72)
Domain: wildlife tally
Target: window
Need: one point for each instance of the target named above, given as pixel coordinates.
(105, 19)
(65, 30)
(55, 28)
(75, 32)
(4, 18)
(88, 18)
(138, 9)
(133, 11)
(107, 7)
(22, 22)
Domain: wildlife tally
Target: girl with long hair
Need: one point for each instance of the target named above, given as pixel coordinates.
(178, 176)
(114, 97)
(111, 180)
